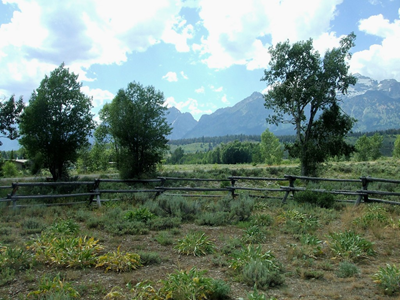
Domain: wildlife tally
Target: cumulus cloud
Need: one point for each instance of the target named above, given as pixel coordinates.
(200, 90)
(224, 99)
(190, 105)
(42, 34)
(241, 33)
(99, 96)
(170, 76)
(184, 75)
(380, 61)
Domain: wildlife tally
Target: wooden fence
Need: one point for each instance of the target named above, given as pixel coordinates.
(220, 187)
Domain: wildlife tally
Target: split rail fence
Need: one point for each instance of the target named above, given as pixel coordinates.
(350, 190)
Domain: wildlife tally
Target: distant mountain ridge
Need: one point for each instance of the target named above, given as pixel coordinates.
(376, 106)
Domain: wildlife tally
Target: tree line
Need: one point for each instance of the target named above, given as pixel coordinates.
(302, 90)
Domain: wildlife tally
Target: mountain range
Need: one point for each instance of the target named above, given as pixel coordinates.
(375, 105)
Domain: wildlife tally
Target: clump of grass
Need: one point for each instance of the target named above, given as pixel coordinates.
(164, 238)
(388, 279)
(350, 246)
(375, 215)
(255, 235)
(149, 258)
(54, 288)
(197, 244)
(119, 261)
(347, 269)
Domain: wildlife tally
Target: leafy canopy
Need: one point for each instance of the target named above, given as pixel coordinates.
(136, 121)
(9, 117)
(303, 89)
(57, 122)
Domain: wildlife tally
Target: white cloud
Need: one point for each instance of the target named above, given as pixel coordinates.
(238, 34)
(100, 97)
(224, 99)
(220, 89)
(200, 90)
(190, 105)
(43, 34)
(380, 61)
(184, 75)
(170, 76)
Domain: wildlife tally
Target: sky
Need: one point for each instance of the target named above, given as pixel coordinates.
(203, 55)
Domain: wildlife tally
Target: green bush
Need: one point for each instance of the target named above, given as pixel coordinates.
(259, 272)
(255, 235)
(140, 214)
(163, 223)
(197, 244)
(218, 218)
(9, 169)
(388, 279)
(347, 269)
(324, 200)
(175, 207)
(350, 246)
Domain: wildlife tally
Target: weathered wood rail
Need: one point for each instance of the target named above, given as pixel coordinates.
(361, 193)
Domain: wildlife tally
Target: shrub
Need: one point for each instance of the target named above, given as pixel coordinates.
(149, 258)
(259, 272)
(350, 246)
(375, 215)
(388, 279)
(254, 235)
(163, 223)
(175, 207)
(9, 169)
(119, 261)
(16, 258)
(192, 284)
(123, 226)
(347, 269)
(197, 244)
(54, 289)
(213, 218)
(141, 215)
(324, 200)
(164, 238)
(241, 208)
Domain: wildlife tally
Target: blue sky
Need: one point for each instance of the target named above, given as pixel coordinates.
(203, 55)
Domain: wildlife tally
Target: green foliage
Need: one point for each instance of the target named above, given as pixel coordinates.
(301, 80)
(15, 258)
(9, 117)
(192, 284)
(173, 206)
(54, 288)
(66, 250)
(57, 121)
(141, 214)
(271, 148)
(350, 246)
(176, 156)
(255, 295)
(149, 258)
(164, 238)
(396, 148)
(388, 279)
(136, 121)
(163, 223)
(347, 269)
(197, 244)
(324, 200)
(119, 261)
(368, 148)
(375, 215)
(255, 235)
(7, 275)
(9, 169)
(297, 222)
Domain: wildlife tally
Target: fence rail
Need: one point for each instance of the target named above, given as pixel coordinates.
(94, 192)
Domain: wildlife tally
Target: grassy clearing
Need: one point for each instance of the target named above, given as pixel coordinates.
(206, 248)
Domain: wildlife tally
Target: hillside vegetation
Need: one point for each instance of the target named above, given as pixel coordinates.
(174, 247)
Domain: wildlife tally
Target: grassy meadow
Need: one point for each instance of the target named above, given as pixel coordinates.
(175, 247)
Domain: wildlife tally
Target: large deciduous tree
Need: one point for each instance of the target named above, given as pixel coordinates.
(9, 117)
(136, 121)
(57, 122)
(271, 148)
(303, 88)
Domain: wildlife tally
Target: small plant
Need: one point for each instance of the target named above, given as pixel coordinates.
(141, 214)
(7, 275)
(63, 227)
(262, 220)
(164, 238)
(197, 244)
(119, 261)
(55, 288)
(15, 258)
(66, 251)
(192, 284)
(347, 269)
(149, 258)
(375, 215)
(350, 246)
(262, 273)
(388, 279)
(297, 222)
(254, 235)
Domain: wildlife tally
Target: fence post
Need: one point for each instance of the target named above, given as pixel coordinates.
(163, 180)
(364, 182)
(233, 181)
(291, 185)
(95, 189)
(13, 192)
